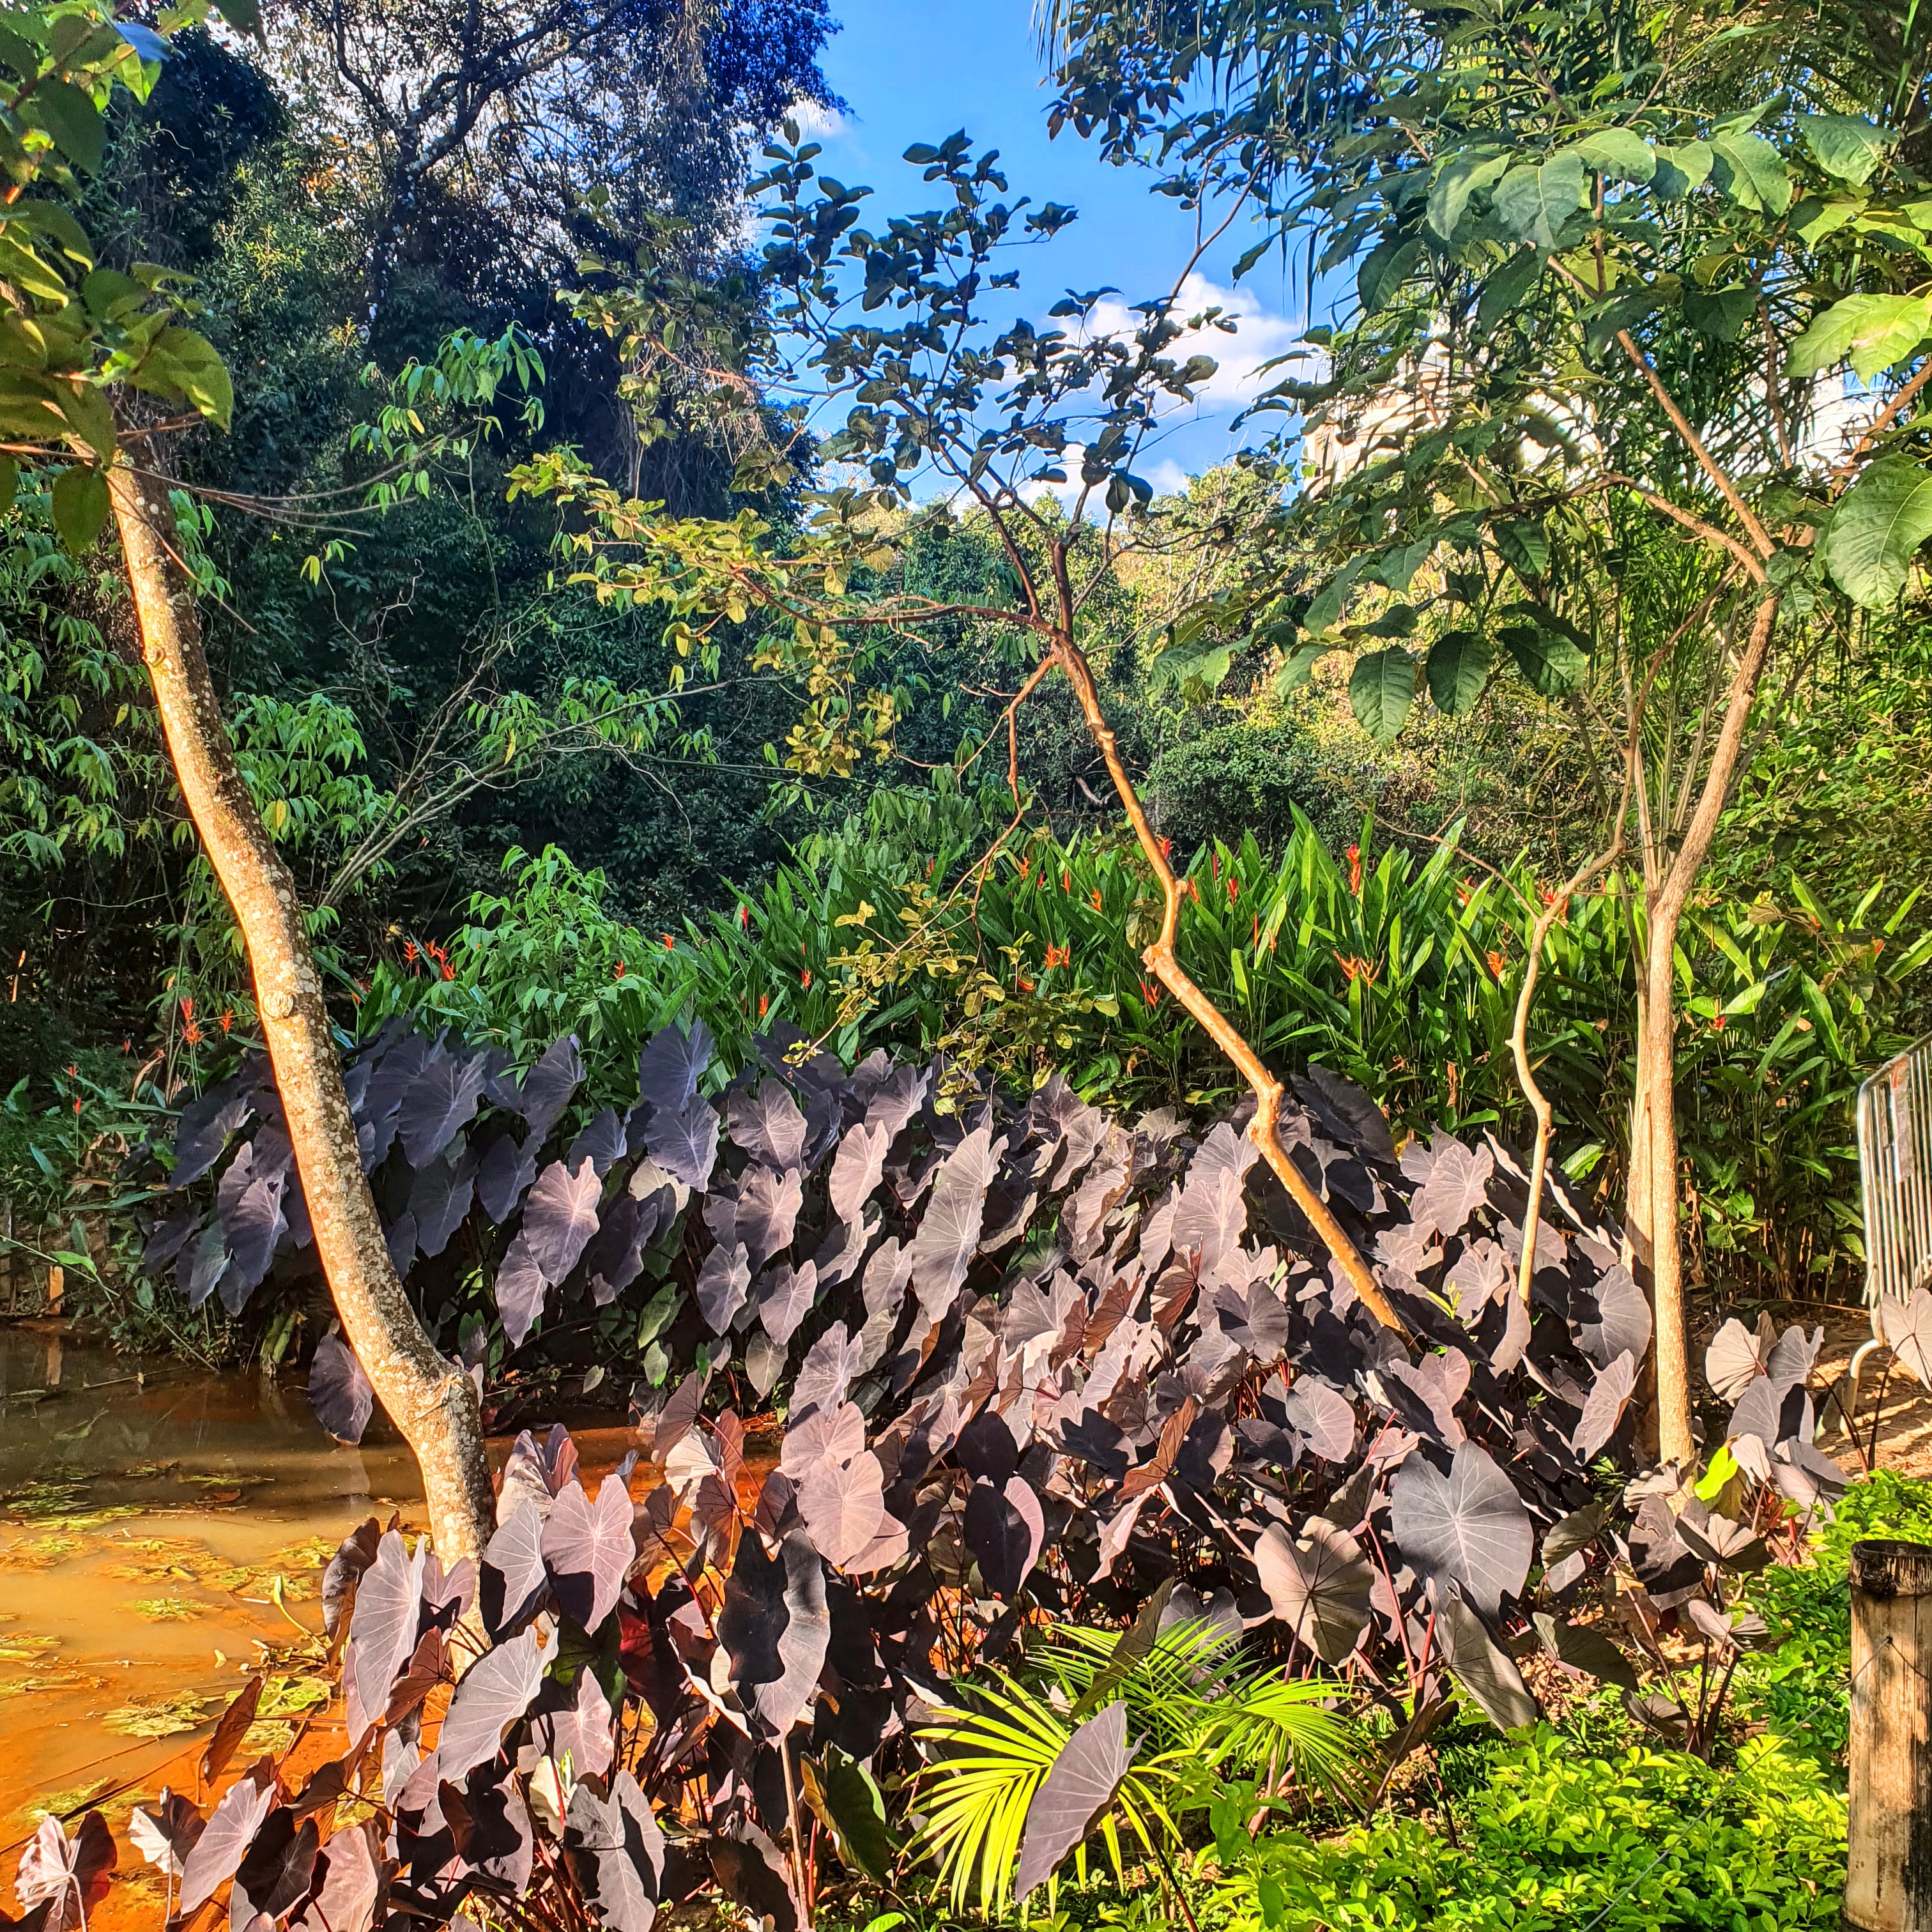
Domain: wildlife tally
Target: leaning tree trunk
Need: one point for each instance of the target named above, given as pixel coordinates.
(431, 1400)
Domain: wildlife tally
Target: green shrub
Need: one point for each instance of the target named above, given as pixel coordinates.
(1559, 1839)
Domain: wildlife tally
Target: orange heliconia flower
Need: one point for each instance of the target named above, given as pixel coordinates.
(764, 1001)
(1150, 993)
(1497, 963)
(805, 978)
(1095, 896)
(619, 973)
(1355, 870)
(1058, 956)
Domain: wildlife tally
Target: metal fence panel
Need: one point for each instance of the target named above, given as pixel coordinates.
(1895, 1173)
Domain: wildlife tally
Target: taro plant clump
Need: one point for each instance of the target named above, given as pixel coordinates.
(1034, 1364)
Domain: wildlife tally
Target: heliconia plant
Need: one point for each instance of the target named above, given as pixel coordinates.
(1034, 1365)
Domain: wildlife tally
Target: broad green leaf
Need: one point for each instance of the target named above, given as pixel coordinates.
(1524, 545)
(10, 481)
(1877, 529)
(1619, 152)
(52, 220)
(1844, 145)
(1295, 674)
(89, 419)
(1757, 178)
(1680, 171)
(1397, 568)
(1506, 287)
(1455, 183)
(1382, 690)
(1550, 665)
(1459, 667)
(79, 501)
(1382, 274)
(1719, 315)
(1874, 332)
(200, 375)
(1535, 202)
(106, 288)
(1814, 218)
(63, 111)
(1332, 599)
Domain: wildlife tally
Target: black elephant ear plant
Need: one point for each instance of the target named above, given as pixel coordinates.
(1037, 1368)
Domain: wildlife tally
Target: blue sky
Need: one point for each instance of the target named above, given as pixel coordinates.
(916, 72)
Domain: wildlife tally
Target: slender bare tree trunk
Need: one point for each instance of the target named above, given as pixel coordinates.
(429, 1398)
(1656, 1100)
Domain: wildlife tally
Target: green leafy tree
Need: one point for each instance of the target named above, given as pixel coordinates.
(1581, 422)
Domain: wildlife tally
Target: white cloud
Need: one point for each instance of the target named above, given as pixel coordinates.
(815, 123)
(1260, 336)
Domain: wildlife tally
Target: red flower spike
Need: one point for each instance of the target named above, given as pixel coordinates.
(1355, 870)
(764, 1001)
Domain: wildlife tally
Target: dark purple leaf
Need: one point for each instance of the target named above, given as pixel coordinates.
(1470, 1525)
(514, 1578)
(580, 1730)
(1583, 1647)
(844, 1506)
(615, 1851)
(1003, 1539)
(230, 1728)
(1735, 1359)
(670, 1068)
(1213, 1211)
(441, 1101)
(1346, 1112)
(547, 1087)
(948, 1234)
(203, 1131)
(1319, 1587)
(723, 1283)
(276, 1874)
(857, 1169)
(802, 1644)
(353, 1555)
(768, 1205)
(1325, 1419)
(224, 1842)
(766, 1122)
(339, 1391)
(826, 1373)
(784, 1299)
(986, 1450)
(490, 1695)
(440, 1198)
(1096, 1441)
(601, 1144)
(382, 1632)
(165, 1832)
(200, 1264)
(1073, 1795)
(684, 1145)
(66, 1875)
(349, 1880)
(832, 1435)
(1458, 1184)
(560, 1216)
(1603, 1410)
(1486, 1672)
(588, 1550)
(507, 1167)
(399, 1238)
(520, 1290)
(1622, 1323)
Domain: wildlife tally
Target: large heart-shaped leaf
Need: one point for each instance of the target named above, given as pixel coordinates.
(1086, 1775)
(1876, 531)
(560, 1216)
(588, 1550)
(1470, 1526)
(491, 1695)
(339, 1391)
(670, 1068)
(1319, 1587)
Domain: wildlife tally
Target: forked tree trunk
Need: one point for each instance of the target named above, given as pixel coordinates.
(428, 1397)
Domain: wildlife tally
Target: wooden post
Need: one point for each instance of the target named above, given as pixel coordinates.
(1888, 1879)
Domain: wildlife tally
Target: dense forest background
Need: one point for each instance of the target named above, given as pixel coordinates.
(517, 808)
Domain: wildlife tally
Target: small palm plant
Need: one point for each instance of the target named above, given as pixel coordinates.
(1113, 1731)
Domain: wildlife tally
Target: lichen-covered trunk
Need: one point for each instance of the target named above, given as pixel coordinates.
(428, 1397)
